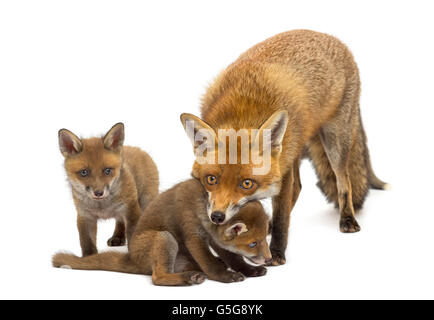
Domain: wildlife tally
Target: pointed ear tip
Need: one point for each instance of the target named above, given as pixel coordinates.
(63, 132)
(185, 116)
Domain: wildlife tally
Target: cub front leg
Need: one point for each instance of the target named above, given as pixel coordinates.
(214, 268)
(131, 219)
(237, 263)
(87, 232)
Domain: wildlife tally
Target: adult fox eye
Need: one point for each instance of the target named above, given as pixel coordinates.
(211, 180)
(252, 245)
(247, 184)
(84, 173)
(107, 171)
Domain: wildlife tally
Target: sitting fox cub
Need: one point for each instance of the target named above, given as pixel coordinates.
(107, 181)
(173, 238)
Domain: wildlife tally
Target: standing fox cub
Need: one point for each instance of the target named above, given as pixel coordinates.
(172, 241)
(107, 181)
(300, 89)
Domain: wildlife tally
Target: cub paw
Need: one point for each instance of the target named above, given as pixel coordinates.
(349, 225)
(254, 272)
(116, 242)
(196, 277)
(230, 276)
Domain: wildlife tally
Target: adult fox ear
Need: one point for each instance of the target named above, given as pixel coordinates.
(114, 138)
(274, 129)
(69, 143)
(235, 230)
(199, 132)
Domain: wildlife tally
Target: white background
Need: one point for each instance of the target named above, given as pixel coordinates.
(85, 65)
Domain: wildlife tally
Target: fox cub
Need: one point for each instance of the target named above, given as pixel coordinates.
(173, 238)
(107, 181)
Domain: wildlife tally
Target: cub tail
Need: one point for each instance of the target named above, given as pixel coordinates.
(107, 261)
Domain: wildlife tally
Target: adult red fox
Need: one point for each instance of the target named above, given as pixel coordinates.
(303, 88)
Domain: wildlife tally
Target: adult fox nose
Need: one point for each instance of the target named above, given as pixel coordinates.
(98, 193)
(217, 217)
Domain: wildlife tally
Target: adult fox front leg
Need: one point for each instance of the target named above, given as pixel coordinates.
(283, 204)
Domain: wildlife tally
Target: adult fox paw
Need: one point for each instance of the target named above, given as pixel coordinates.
(116, 242)
(349, 225)
(278, 259)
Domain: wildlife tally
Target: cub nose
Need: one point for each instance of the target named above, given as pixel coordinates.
(217, 217)
(268, 261)
(98, 193)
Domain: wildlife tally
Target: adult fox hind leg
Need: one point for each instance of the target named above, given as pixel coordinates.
(361, 175)
(340, 138)
(283, 204)
(326, 176)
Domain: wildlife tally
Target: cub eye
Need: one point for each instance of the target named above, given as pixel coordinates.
(252, 245)
(84, 173)
(247, 184)
(107, 171)
(211, 180)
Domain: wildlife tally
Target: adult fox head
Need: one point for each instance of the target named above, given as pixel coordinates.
(93, 165)
(246, 234)
(245, 169)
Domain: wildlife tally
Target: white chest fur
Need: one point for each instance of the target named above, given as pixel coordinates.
(103, 209)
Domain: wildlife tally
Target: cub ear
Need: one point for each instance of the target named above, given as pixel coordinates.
(274, 128)
(114, 138)
(199, 132)
(69, 143)
(236, 229)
